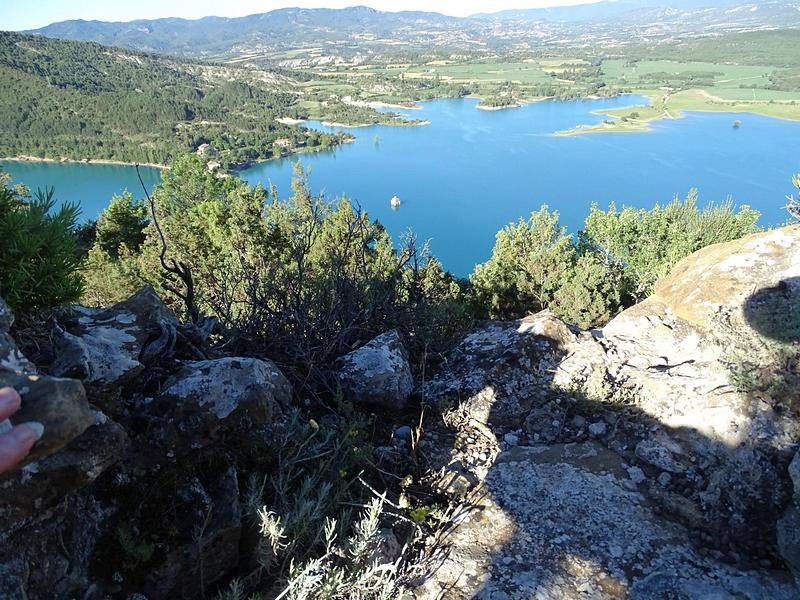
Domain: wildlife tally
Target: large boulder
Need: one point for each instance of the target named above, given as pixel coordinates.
(696, 389)
(711, 357)
(107, 347)
(724, 276)
(230, 394)
(378, 373)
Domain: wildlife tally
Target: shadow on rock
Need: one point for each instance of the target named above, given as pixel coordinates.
(589, 496)
(774, 312)
(650, 459)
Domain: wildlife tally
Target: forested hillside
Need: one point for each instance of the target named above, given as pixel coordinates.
(77, 100)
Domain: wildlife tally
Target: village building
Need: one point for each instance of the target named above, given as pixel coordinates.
(206, 150)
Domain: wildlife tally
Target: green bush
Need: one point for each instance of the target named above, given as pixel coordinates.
(301, 280)
(614, 263)
(122, 222)
(650, 242)
(38, 251)
(530, 262)
(109, 269)
(593, 294)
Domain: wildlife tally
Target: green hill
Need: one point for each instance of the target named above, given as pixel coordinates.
(77, 100)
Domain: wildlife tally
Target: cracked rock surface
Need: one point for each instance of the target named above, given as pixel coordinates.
(648, 459)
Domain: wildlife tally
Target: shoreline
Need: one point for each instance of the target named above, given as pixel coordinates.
(374, 104)
(480, 106)
(83, 161)
(290, 121)
(675, 114)
(377, 104)
(361, 125)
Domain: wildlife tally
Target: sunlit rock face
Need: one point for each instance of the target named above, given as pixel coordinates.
(673, 425)
(378, 373)
(566, 521)
(107, 347)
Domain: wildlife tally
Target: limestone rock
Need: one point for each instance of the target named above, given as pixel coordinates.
(725, 275)
(6, 317)
(788, 528)
(11, 359)
(499, 370)
(788, 533)
(234, 393)
(105, 347)
(561, 522)
(58, 404)
(659, 455)
(378, 373)
(52, 557)
(706, 452)
(794, 474)
(671, 355)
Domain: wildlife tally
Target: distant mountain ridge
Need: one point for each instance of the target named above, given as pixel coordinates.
(601, 10)
(209, 35)
(362, 27)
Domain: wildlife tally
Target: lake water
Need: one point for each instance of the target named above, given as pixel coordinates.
(90, 185)
(471, 172)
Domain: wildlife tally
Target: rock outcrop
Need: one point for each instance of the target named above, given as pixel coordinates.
(378, 373)
(566, 521)
(233, 394)
(107, 347)
(146, 500)
(656, 430)
(11, 359)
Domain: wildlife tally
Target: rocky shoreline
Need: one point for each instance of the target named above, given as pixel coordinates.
(94, 161)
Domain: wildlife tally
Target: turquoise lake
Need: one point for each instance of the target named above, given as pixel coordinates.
(471, 172)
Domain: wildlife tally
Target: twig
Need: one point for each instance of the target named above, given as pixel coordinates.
(178, 268)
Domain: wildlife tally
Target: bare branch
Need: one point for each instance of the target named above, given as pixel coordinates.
(179, 269)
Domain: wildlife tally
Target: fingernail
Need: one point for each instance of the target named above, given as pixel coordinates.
(9, 399)
(36, 427)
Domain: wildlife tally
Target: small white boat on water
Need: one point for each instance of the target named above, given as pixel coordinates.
(395, 202)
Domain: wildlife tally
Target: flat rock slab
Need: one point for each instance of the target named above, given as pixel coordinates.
(105, 347)
(565, 521)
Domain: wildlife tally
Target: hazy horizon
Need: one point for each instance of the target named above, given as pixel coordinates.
(23, 15)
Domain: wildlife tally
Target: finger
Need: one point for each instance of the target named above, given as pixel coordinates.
(9, 402)
(16, 444)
